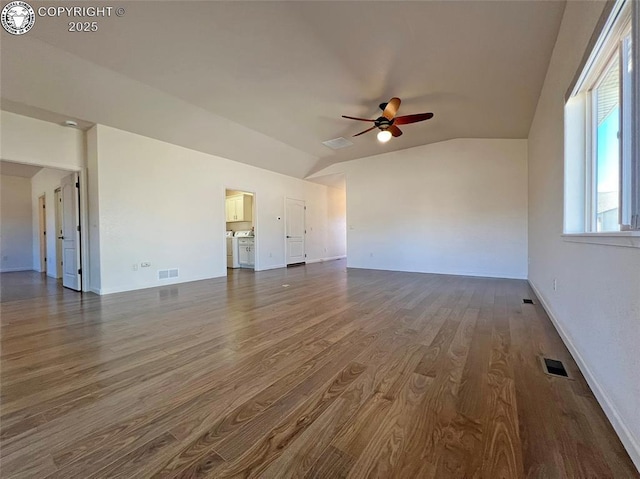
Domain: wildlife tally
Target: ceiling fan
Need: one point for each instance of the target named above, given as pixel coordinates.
(388, 122)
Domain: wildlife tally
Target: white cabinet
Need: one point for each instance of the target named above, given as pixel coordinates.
(246, 252)
(239, 208)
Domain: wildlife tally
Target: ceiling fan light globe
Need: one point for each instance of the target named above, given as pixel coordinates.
(384, 136)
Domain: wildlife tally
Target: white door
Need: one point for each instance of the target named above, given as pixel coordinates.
(294, 211)
(57, 196)
(42, 218)
(70, 232)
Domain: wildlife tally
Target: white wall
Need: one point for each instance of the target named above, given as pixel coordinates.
(93, 212)
(45, 183)
(455, 207)
(41, 143)
(164, 204)
(336, 230)
(15, 224)
(596, 306)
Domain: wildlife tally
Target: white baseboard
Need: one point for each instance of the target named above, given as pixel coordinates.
(154, 284)
(328, 258)
(473, 274)
(15, 270)
(273, 266)
(629, 441)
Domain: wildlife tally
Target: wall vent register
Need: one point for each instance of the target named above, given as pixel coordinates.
(168, 273)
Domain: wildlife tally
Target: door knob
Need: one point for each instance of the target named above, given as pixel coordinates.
(60, 237)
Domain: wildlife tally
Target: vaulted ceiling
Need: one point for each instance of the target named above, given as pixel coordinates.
(265, 83)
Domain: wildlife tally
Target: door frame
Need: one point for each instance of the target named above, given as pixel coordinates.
(254, 215)
(304, 226)
(42, 222)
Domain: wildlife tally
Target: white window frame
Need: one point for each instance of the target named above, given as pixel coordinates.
(580, 144)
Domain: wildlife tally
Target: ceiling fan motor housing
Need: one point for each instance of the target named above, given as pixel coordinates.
(383, 123)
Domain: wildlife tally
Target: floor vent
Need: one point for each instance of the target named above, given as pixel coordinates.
(553, 367)
(528, 301)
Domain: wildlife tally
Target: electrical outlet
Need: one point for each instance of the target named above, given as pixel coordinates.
(270, 255)
(145, 264)
(555, 284)
(135, 267)
(5, 258)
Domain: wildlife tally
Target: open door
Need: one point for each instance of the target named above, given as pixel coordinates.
(42, 222)
(295, 232)
(57, 198)
(71, 269)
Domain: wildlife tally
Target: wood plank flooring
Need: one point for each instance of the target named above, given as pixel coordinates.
(342, 373)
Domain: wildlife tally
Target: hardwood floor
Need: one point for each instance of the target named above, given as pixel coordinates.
(339, 374)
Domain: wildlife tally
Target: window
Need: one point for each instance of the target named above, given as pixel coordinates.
(602, 187)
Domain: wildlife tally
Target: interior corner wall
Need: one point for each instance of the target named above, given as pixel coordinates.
(164, 204)
(336, 230)
(455, 207)
(596, 304)
(15, 224)
(45, 182)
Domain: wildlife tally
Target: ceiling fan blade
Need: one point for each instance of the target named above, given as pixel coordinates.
(395, 131)
(392, 108)
(405, 120)
(363, 132)
(355, 118)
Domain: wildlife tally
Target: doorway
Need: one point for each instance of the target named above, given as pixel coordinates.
(51, 189)
(295, 231)
(240, 229)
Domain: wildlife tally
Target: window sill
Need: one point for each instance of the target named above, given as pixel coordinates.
(625, 239)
